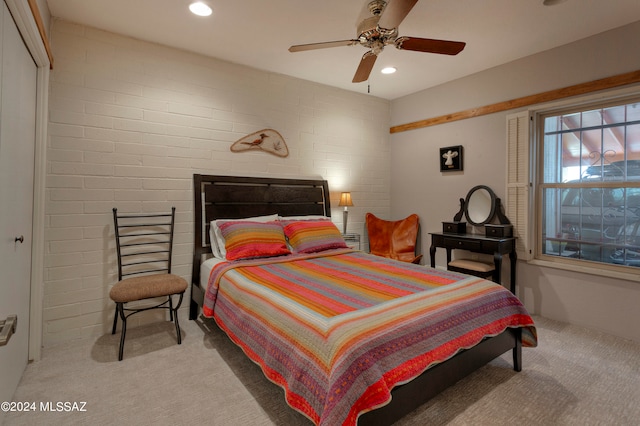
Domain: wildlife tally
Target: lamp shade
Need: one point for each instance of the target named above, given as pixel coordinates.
(345, 199)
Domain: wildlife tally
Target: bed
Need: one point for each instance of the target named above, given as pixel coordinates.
(350, 337)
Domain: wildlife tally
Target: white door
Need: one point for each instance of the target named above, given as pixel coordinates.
(18, 75)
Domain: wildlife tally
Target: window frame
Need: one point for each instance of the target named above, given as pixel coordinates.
(535, 209)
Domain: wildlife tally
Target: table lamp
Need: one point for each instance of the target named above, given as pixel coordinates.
(345, 200)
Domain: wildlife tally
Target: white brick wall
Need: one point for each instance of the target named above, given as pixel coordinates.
(130, 122)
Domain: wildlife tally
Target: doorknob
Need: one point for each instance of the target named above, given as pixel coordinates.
(7, 328)
(20, 239)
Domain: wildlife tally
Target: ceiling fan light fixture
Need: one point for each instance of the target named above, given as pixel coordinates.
(388, 70)
(200, 8)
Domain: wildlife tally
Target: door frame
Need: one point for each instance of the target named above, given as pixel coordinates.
(26, 23)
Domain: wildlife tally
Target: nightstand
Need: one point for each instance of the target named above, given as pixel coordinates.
(352, 240)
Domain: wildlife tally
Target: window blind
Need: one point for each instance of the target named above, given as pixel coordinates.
(519, 182)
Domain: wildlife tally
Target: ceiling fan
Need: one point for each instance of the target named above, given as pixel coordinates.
(381, 29)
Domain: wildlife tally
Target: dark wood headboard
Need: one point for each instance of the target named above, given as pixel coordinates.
(233, 197)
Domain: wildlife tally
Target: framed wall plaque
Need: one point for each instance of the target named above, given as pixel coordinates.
(451, 158)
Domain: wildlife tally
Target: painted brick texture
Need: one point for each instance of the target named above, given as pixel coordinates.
(131, 121)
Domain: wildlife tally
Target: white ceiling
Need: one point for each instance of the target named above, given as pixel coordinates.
(258, 33)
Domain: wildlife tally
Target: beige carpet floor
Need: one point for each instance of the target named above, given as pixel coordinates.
(574, 377)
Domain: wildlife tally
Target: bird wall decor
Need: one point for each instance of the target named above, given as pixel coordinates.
(267, 140)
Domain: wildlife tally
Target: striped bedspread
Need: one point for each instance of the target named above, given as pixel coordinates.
(340, 329)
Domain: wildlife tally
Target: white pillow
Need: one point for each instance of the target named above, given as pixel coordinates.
(309, 217)
(217, 240)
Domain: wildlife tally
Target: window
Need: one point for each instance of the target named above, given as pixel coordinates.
(589, 184)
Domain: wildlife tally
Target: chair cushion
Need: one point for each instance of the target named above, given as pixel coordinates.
(146, 287)
(472, 265)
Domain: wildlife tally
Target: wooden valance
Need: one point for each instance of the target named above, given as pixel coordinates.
(552, 95)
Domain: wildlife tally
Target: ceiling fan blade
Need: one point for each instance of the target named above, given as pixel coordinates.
(324, 45)
(430, 45)
(365, 67)
(395, 12)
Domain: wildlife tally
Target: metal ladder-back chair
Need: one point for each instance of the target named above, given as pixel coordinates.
(144, 244)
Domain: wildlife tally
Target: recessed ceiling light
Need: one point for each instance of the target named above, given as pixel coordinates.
(199, 8)
(388, 70)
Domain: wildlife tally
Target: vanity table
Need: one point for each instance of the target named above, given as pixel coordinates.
(477, 243)
(480, 208)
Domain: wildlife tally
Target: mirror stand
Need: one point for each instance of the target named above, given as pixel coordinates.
(458, 216)
(501, 217)
(480, 207)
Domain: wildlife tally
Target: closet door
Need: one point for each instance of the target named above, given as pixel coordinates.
(18, 75)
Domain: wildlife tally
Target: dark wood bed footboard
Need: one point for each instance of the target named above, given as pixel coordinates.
(410, 396)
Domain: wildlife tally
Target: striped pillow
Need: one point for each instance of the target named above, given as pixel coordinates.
(216, 238)
(310, 236)
(248, 240)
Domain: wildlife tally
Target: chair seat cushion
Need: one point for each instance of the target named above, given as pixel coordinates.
(472, 265)
(146, 287)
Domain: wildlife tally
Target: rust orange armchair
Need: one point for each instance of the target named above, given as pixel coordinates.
(394, 239)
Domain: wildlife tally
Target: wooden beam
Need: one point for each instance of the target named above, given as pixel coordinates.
(552, 95)
(43, 34)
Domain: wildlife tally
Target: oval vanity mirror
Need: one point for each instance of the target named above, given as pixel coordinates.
(480, 205)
